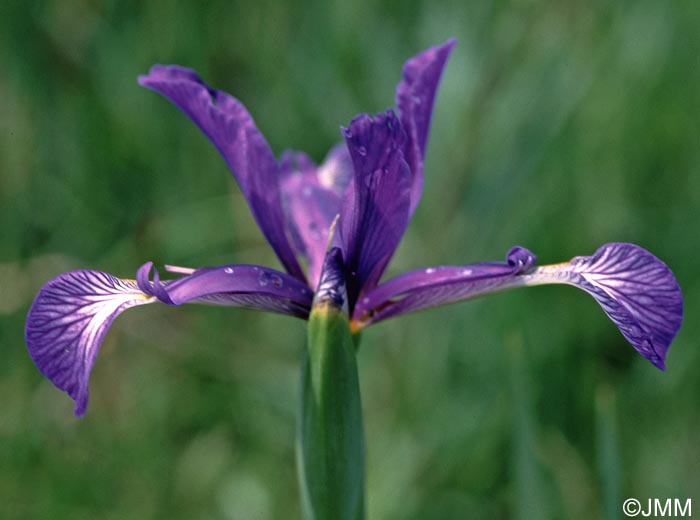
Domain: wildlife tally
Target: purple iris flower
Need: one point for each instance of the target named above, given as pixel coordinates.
(373, 183)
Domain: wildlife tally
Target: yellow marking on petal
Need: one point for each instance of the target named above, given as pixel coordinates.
(553, 266)
(356, 327)
(140, 294)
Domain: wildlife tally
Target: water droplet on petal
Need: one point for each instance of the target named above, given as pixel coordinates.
(263, 279)
(347, 132)
(417, 100)
(362, 150)
(365, 300)
(276, 280)
(466, 272)
(66, 350)
(228, 270)
(430, 270)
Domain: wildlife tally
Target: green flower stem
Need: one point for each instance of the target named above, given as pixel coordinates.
(330, 443)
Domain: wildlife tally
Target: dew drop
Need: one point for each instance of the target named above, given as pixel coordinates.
(347, 132)
(430, 270)
(365, 300)
(417, 100)
(466, 272)
(66, 350)
(228, 270)
(263, 279)
(362, 150)
(276, 280)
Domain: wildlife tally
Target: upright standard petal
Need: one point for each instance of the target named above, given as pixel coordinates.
(375, 209)
(415, 96)
(312, 198)
(229, 126)
(335, 172)
(635, 289)
(237, 285)
(68, 321)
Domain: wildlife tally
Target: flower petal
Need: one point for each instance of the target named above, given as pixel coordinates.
(335, 172)
(237, 285)
(635, 289)
(440, 285)
(229, 126)
(311, 197)
(415, 95)
(332, 287)
(375, 210)
(68, 321)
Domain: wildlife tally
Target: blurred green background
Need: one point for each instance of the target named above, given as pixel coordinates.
(560, 125)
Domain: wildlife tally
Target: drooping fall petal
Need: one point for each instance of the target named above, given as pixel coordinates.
(68, 321)
(635, 289)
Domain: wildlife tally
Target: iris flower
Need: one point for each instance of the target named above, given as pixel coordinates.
(372, 183)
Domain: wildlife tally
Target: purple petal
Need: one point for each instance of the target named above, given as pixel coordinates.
(229, 126)
(332, 287)
(415, 95)
(635, 289)
(375, 210)
(335, 172)
(68, 321)
(248, 286)
(312, 199)
(155, 288)
(440, 285)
